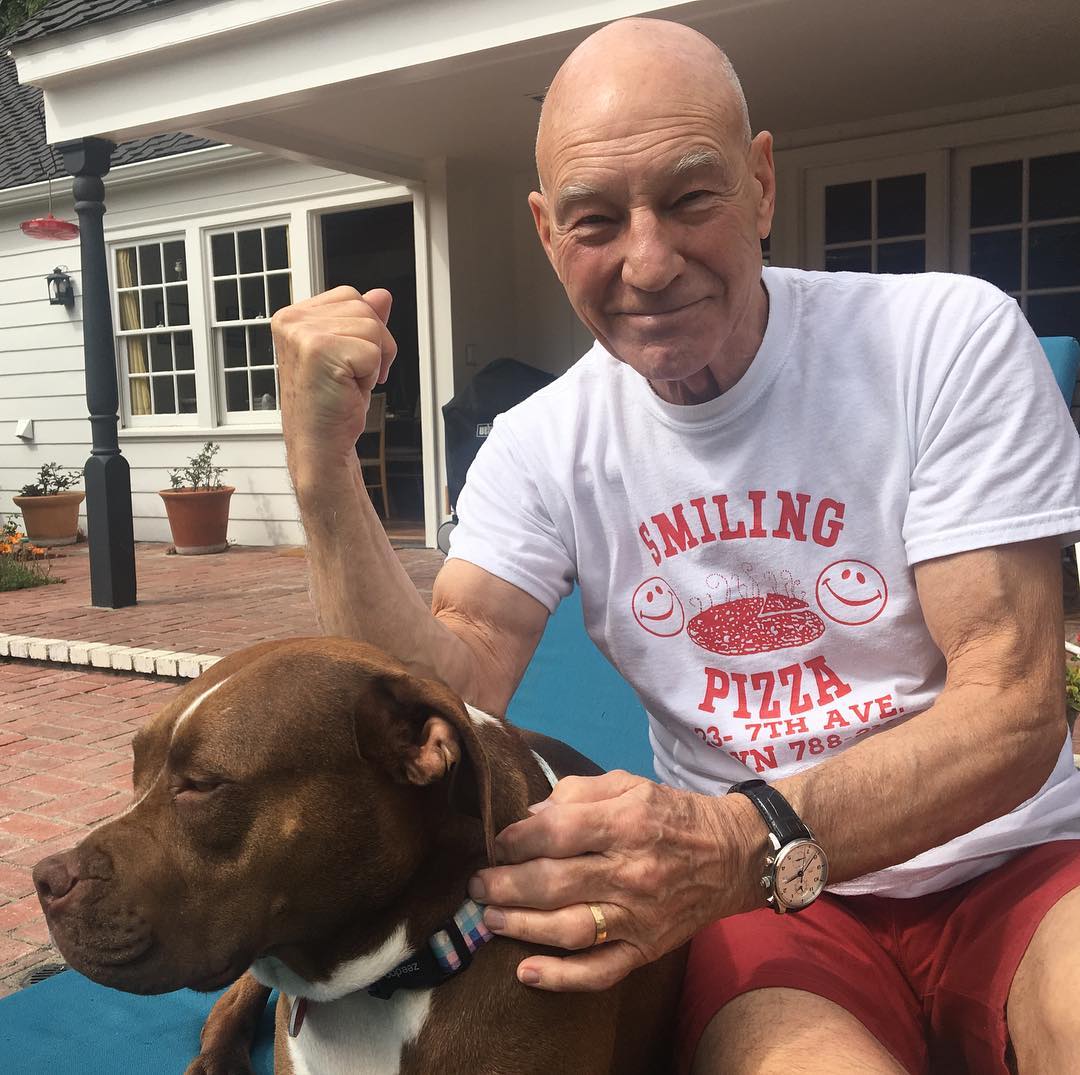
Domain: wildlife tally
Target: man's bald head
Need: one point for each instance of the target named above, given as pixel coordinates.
(634, 60)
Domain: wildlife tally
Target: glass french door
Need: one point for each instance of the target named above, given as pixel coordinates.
(884, 216)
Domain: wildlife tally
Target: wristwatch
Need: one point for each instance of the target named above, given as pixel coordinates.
(796, 871)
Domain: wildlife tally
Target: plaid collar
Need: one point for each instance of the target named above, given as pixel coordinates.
(448, 951)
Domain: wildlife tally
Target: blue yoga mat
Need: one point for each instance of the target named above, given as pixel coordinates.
(67, 1024)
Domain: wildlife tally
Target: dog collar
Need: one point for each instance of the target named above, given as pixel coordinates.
(448, 951)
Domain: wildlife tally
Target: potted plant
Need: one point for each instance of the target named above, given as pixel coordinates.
(1072, 692)
(50, 511)
(198, 504)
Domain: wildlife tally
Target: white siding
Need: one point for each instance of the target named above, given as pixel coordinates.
(41, 361)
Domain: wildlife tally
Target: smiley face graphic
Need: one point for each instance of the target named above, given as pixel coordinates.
(852, 592)
(657, 608)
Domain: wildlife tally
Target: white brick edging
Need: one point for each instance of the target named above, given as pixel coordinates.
(158, 662)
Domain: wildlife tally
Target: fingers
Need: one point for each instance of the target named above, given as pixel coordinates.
(559, 833)
(542, 883)
(591, 789)
(598, 968)
(572, 928)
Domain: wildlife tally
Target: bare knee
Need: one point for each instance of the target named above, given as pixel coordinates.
(770, 1030)
(1043, 1019)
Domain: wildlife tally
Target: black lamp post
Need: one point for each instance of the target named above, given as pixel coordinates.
(61, 292)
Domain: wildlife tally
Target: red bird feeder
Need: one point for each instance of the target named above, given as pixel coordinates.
(49, 227)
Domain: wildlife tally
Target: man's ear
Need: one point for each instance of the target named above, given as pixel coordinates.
(542, 220)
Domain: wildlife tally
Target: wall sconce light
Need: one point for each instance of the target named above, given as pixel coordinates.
(61, 293)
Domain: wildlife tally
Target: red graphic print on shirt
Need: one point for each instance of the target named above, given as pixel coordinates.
(657, 608)
(755, 625)
(852, 592)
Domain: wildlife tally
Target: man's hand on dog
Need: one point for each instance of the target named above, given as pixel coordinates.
(658, 862)
(332, 350)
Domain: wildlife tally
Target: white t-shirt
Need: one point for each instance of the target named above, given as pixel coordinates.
(746, 563)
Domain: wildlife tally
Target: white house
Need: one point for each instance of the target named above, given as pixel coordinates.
(390, 143)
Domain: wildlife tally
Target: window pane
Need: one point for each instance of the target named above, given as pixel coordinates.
(236, 391)
(1055, 315)
(262, 345)
(263, 390)
(901, 206)
(223, 254)
(129, 310)
(1055, 186)
(178, 304)
(280, 288)
(854, 259)
(902, 257)
(139, 389)
(183, 351)
(164, 396)
(253, 296)
(847, 212)
(186, 387)
(153, 308)
(995, 256)
(250, 246)
(1054, 256)
(127, 271)
(235, 351)
(150, 264)
(996, 193)
(226, 302)
(161, 353)
(175, 262)
(277, 247)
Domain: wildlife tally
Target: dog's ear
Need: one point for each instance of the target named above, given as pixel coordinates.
(441, 742)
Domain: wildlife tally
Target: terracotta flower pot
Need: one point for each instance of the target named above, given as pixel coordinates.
(51, 520)
(198, 518)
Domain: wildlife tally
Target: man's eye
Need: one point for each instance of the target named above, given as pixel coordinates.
(593, 220)
(691, 197)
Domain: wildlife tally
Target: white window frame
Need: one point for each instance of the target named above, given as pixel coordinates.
(996, 153)
(935, 167)
(152, 421)
(226, 418)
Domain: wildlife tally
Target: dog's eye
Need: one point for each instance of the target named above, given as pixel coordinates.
(193, 788)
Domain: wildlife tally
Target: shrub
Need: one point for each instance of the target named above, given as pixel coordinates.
(51, 479)
(200, 472)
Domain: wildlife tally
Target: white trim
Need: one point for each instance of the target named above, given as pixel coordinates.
(188, 66)
(167, 663)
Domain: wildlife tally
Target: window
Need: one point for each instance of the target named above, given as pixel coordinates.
(885, 216)
(1023, 225)
(156, 353)
(250, 280)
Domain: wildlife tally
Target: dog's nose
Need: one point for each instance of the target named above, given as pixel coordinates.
(55, 877)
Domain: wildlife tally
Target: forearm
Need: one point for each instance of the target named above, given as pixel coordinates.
(359, 587)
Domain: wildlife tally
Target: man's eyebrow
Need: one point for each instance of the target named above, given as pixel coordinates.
(697, 158)
(572, 193)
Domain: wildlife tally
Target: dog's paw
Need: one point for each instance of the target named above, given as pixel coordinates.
(230, 1062)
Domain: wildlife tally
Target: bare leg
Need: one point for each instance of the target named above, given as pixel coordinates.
(229, 1030)
(767, 1031)
(1043, 1017)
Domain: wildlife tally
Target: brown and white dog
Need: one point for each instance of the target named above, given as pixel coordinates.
(311, 811)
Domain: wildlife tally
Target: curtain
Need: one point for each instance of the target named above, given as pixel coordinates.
(136, 345)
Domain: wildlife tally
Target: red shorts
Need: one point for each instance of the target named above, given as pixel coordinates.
(928, 977)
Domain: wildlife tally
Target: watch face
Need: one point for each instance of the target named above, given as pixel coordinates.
(801, 873)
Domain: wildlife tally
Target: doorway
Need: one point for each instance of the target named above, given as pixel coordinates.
(367, 248)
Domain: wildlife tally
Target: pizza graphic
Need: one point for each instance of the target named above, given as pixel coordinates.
(755, 625)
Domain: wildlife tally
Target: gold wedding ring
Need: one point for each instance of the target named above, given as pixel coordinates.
(601, 923)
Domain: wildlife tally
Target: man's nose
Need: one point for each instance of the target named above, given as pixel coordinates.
(650, 259)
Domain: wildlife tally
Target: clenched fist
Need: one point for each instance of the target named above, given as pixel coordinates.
(331, 350)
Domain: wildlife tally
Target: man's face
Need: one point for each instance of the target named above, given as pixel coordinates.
(653, 224)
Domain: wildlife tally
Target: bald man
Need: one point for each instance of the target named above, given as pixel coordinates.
(815, 519)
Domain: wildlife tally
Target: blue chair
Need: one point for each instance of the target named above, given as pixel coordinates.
(1063, 353)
